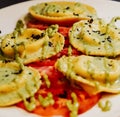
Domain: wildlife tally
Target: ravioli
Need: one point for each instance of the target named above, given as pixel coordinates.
(94, 74)
(96, 37)
(32, 44)
(17, 84)
(62, 12)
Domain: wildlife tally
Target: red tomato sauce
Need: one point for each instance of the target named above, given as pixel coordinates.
(60, 87)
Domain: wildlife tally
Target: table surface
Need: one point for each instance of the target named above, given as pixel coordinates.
(5, 3)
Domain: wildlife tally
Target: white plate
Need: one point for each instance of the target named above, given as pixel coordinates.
(8, 18)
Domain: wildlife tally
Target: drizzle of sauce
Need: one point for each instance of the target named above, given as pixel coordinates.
(46, 101)
(73, 105)
(106, 106)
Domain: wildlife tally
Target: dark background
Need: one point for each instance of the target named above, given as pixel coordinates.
(4, 3)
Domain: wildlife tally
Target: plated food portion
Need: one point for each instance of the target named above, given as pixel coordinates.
(17, 83)
(96, 37)
(62, 12)
(94, 74)
(59, 60)
(32, 44)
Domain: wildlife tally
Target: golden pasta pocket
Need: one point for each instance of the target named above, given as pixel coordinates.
(17, 83)
(96, 37)
(94, 74)
(32, 44)
(62, 12)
